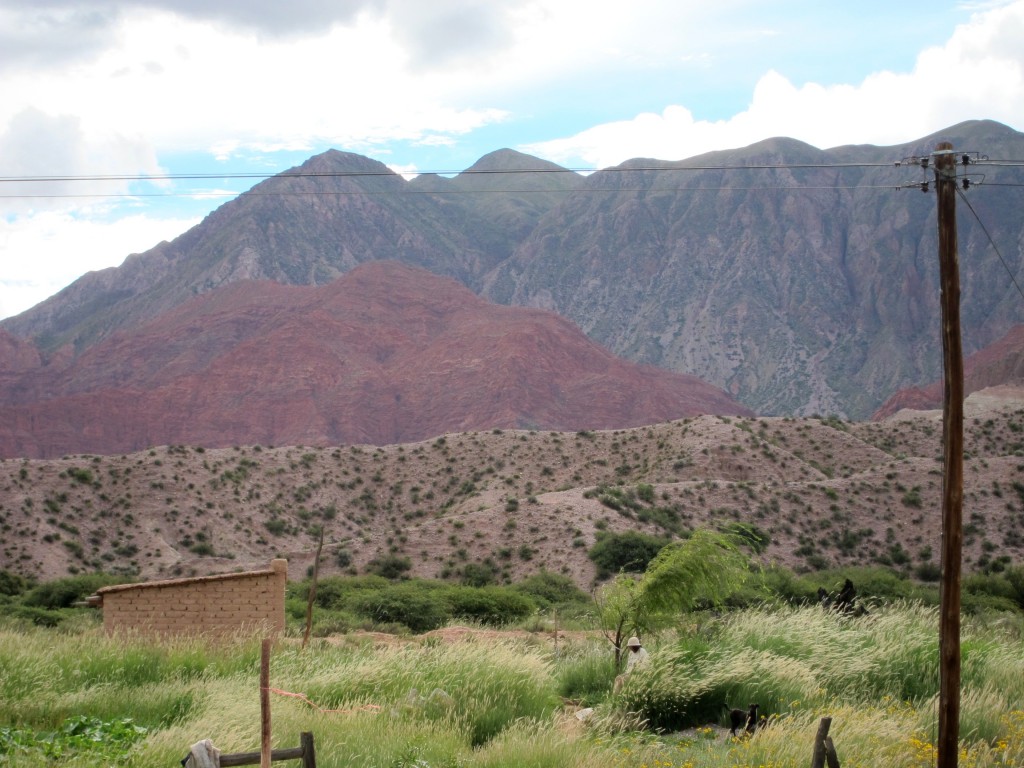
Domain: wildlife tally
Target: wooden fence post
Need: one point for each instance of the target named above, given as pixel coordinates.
(830, 753)
(818, 756)
(265, 750)
(308, 750)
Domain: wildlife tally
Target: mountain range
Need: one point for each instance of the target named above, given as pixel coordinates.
(385, 354)
(499, 369)
(797, 280)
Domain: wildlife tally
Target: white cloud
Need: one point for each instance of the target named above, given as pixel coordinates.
(187, 86)
(95, 87)
(37, 144)
(68, 247)
(978, 73)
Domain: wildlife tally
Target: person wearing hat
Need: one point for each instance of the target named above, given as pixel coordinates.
(637, 655)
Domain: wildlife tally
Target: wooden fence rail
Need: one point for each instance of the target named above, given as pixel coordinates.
(305, 752)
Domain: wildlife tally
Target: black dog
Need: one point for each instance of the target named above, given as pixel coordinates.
(743, 717)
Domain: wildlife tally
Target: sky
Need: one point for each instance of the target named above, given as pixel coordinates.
(145, 88)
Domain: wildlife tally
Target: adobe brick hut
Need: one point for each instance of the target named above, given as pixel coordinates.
(218, 605)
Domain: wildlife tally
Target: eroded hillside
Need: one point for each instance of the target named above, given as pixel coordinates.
(822, 491)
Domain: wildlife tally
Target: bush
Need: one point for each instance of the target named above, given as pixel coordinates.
(64, 593)
(786, 586)
(1015, 578)
(630, 552)
(41, 617)
(494, 606)
(549, 589)
(389, 566)
(12, 583)
(410, 605)
(479, 574)
(927, 571)
(989, 585)
(343, 558)
(337, 591)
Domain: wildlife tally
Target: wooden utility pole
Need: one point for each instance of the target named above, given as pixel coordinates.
(953, 463)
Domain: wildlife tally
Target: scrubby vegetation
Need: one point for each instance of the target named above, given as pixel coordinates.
(486, 508)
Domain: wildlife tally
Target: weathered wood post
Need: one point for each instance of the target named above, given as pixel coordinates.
(265, 750)
(952, 475)
(312, 589)
(818, 756)
(308, 750)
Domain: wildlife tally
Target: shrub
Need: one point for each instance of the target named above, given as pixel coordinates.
(64, 593)
(645, 492)
(990, 585)
(81, 475)
(479, 574)
(548, 588)
(12, 583)
(41, 617)
(630, 551)
(410, 605)
(494, 606)
(343, 558)
(337, 592)
(275, 526)
(1015, 578)
(389, 566)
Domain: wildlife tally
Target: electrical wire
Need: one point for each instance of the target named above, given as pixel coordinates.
(390, 173)
(413, 192)
(990, 240)
(255, 191)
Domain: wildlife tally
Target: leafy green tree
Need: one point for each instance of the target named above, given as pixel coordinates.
(621, 611)
(702, 570)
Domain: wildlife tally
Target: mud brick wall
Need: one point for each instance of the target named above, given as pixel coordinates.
(204, 605)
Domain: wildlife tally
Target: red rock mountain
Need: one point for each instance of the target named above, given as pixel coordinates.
(798, 279)
(1001, 362)
(386, 354)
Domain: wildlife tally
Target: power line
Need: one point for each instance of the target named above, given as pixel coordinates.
(991, 241)
(390, 173)
(355, 174)
(415, 192)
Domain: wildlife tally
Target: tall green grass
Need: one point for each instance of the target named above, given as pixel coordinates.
(497, 703)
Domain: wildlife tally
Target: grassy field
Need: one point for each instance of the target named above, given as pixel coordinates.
(75, 697)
